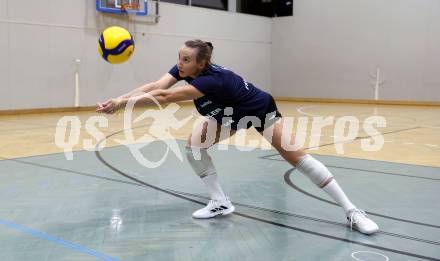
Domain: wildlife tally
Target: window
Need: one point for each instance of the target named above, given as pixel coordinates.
(180, 2)
(270, 8)
(214, 4)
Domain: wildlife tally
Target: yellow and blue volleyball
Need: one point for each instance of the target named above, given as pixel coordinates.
(116, 44)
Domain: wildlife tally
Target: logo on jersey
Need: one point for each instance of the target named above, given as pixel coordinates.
(246, 84)
(214, 112)
(206, 103)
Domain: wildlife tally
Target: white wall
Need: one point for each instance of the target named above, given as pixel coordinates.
(43, 38)
(328, 48)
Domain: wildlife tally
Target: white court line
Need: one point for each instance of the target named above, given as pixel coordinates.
(353, 255)
(420, 144)
(429, 127)
(300, 110)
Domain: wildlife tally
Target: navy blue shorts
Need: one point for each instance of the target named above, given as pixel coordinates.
(270, 117)
(260, 121)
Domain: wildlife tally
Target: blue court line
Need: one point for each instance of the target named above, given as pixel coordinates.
(64, 243)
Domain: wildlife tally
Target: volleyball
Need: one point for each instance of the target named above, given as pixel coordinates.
(116, 44)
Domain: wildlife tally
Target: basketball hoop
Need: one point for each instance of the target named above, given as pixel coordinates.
(130, 7)
(133, 7)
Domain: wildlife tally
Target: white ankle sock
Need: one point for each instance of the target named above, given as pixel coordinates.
(214, 188)
(334, 191)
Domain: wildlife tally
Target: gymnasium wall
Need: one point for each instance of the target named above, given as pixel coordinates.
(329, 48)
(40, 41)
(326, 50)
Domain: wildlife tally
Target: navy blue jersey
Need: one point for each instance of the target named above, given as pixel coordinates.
(223, 88)
(226, 88)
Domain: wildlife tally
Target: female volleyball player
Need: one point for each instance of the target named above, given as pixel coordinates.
(225, 99)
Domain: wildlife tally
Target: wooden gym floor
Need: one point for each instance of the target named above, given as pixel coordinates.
(412, 134)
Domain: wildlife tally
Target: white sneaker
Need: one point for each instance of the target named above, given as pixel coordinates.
(359, 221)
(215, 208)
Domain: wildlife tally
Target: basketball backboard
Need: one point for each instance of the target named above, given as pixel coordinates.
(138, 7)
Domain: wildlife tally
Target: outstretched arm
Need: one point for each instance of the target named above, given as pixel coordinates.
(164, 82)
(179, 93)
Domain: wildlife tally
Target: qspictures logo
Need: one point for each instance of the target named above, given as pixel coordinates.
(346, 129)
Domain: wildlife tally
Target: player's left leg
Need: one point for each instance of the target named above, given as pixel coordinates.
(321, 176)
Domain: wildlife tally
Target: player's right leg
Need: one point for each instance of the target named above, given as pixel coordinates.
(204, 135)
